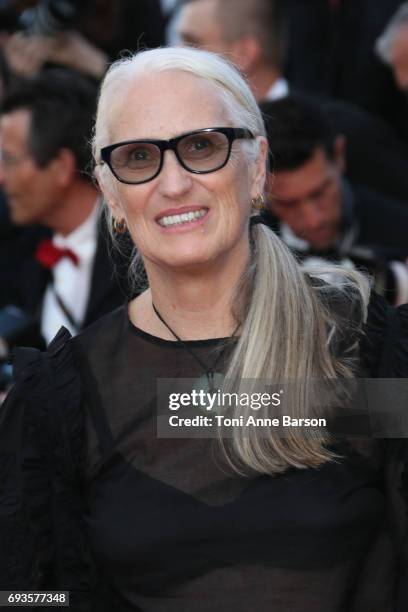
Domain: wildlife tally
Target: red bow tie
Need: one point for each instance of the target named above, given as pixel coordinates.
(48, 255)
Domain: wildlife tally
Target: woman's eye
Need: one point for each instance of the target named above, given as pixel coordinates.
(197, 146)
(200, 144)
(139, 155)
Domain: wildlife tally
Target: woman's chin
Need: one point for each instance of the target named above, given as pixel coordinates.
(189, 263)
(185, 260)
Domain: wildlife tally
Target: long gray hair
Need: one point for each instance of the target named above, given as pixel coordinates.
(287, 325)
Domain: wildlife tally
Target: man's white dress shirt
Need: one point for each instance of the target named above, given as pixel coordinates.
(72, 283)
(280, 89)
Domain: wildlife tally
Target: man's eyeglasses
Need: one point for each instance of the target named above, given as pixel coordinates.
(200, 152)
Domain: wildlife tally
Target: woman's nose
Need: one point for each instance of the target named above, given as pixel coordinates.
(174, 180)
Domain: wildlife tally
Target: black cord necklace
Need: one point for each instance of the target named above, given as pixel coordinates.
(212, 376)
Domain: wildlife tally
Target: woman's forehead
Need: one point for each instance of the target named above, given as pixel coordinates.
(165, 104)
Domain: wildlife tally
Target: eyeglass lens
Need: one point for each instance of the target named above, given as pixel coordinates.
(202, 152)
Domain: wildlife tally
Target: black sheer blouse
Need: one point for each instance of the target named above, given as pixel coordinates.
(92, 501)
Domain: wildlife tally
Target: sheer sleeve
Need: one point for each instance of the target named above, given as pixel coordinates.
(42, 535)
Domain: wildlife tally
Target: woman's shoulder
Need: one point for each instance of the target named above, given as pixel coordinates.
(47, 392)
(36, 371)
(41, 442)
(51, 381)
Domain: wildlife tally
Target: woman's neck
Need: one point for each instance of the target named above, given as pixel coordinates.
(195, 305)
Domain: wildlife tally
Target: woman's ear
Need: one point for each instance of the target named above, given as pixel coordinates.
(259, 171)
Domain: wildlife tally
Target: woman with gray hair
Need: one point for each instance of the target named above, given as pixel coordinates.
(117, 489)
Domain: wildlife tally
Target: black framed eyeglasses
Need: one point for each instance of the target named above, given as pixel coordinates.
(201, 152)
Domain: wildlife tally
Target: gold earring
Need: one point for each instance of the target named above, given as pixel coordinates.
(119, 226)
(258, 203)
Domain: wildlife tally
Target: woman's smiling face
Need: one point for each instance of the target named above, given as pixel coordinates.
(162, 106)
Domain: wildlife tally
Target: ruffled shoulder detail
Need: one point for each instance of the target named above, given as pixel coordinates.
(48, 454)
(384, 345)
(49, 384)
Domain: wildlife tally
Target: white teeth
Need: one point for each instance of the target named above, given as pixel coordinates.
(183, 218)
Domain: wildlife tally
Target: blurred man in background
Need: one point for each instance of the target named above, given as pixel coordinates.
(45, 129)
(249, 33)
(254, 35)
(319, 213)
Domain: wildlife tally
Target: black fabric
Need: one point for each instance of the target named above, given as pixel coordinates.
(91, 500)
(17, 247)
(387, 100)
(124, 25)
(25, 288)
(383, 222)
(376, 155)
(41, 531)
(331, 47)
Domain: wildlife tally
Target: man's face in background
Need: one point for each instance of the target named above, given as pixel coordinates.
(31, 190)
(199, 27)
(309, 199)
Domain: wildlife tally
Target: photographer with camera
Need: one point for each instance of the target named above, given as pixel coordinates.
(46, 34)
(317, 212)
(81, 34)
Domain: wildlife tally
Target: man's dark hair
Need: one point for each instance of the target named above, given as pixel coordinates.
(296, 126)
(263, 19)
(62, 104)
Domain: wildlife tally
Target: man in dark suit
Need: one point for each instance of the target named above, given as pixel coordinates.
(254, 35)
(316, 211)
(66, 279)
